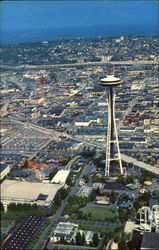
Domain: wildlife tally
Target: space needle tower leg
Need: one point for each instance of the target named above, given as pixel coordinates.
(116, 141)
(112, 146)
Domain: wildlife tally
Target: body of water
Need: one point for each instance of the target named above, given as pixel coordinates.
(31, 21)
(15, 37)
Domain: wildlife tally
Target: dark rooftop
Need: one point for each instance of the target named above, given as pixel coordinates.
(150, 241)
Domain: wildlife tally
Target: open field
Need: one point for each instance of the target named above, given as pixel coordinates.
(100, 213)
(97, 228)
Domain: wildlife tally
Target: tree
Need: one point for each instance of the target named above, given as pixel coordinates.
(83, 239)
(122, 215)
(95, 239)
(92, 195)
(34, 206)
(121, 180)
(98, 191)
(26, 164)
(1, 207)
(85, 217)
(113, 196)
(116, 237)
(63, 193)
(89, 214)
(69, 181)
(12, 206)
(80, 214)
(86, 178)
(78, 238)
(57, 200)
(123, 245)
(130, 179)
(132, 213)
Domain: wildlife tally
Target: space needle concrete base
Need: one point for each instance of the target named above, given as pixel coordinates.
(112, 146)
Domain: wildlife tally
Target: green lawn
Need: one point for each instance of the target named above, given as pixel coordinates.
(5, 222)
(97, 228)
(100, 213)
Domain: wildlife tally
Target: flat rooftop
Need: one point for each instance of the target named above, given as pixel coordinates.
(150, 240)
(22, 191)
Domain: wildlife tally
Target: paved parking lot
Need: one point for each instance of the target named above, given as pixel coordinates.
(26, 141)
(24, 233)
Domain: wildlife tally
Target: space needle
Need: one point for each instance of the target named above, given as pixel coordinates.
(113, 156)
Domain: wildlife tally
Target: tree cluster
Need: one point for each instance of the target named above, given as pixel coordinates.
(142, 200)
(21, 207)
(125, 214)
(80, 239)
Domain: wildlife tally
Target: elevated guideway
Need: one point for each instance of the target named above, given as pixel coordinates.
(60, 177)
(140, 164)
(44, 66)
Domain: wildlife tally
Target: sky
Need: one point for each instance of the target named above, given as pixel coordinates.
(42, 15)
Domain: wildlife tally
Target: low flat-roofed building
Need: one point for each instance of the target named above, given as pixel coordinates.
(82, 123)
(64, 230)
(150, 241)
(31, 164)
(68, 231)
(102, 202)
(37, 100)
(13, 191)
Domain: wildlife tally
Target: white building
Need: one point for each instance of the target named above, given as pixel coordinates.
(64, 230)
(68, 231)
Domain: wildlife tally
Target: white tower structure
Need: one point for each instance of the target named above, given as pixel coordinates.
(155, 210)
(112, 146)
(149, 219)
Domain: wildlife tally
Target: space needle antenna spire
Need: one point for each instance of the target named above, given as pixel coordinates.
(112, 146)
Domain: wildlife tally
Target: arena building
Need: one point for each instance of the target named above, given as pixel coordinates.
(42, 194)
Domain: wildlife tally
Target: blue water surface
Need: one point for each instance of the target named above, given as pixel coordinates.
(24, 21)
